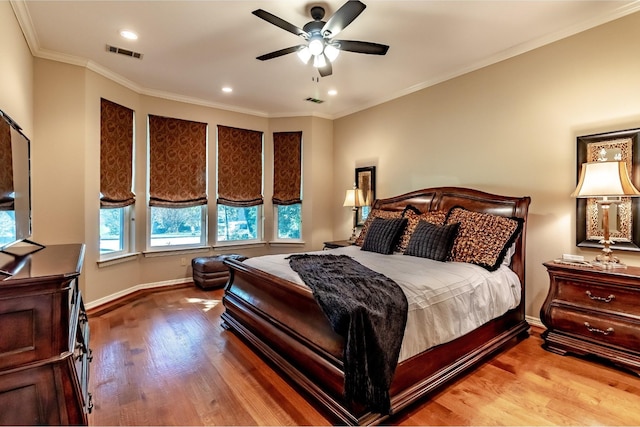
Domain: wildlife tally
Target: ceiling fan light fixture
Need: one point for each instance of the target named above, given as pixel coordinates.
(304, 54)
(320, 61)
(316, 46)
(332, 52)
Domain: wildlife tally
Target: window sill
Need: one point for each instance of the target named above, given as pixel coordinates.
(117, 259)
(239, 245)
(287, 243)
(174, 251)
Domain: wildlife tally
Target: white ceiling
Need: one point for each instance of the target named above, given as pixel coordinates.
(191, 49)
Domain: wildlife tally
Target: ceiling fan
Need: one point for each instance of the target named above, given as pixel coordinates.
(319, 35)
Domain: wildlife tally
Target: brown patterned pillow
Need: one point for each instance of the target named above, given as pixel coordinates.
(373, 214)
(483, 239)
(413, 219)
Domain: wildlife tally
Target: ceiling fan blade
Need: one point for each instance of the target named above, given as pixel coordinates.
(327, 70)
(278, 53)
(279, 22)
(343, 17)
(362, 47)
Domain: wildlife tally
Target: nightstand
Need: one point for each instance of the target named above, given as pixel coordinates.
(337, 244)
(590, 311)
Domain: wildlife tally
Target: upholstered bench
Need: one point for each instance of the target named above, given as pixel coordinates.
(210, 272)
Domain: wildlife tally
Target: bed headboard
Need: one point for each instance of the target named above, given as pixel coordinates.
(444, 198)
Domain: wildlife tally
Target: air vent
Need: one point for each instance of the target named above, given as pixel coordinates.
(314, 100)
(124, 52)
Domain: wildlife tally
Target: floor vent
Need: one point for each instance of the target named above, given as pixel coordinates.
(314, 100)
(124, 52)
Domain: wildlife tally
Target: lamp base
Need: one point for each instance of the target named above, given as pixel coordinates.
(607, 261)
(353, 237)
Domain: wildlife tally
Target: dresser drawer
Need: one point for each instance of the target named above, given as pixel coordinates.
(605, 329)
(599, 297)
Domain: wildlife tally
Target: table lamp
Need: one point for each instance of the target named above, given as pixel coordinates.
(354, 199)
(603, 181)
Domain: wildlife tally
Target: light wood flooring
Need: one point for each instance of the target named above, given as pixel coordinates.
(164, 359)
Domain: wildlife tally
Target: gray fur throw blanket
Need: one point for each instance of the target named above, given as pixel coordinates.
(370, 311)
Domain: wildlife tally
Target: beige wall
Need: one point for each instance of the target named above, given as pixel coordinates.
(16, 71)
(509, 128)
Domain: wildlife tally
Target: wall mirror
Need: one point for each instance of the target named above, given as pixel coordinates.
(365, 180)
(624, 217)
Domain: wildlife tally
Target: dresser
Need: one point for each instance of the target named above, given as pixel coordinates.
(44, 344)
(590, 311)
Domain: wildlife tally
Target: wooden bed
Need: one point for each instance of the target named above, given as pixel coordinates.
(283, 322)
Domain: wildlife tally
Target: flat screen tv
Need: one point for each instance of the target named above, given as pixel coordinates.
(15, 186)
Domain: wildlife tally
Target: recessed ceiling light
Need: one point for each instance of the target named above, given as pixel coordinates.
(227, 89)
(129, 35)
(332, 92)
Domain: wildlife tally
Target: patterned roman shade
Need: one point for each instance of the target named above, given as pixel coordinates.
(178, 162)
(287, 167)
(239, 167)
(6, 173)
(116, 155)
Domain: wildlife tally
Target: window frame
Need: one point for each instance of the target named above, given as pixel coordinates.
(259, 228)
(171, 247)
(276, 229)
(127, 234)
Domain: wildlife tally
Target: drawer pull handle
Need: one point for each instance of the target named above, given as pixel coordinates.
(603, 299)
(609, 331)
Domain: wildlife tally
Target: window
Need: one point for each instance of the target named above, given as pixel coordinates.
(177, 183)
(238, 223)
(287, 177)
(239, 185)
(177, 226)
(114, 228)
(289, 222)
(116, 178)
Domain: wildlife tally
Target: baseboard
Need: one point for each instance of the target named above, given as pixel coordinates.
(110, 302)
(535, 321)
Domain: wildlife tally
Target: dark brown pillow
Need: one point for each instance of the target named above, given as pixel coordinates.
(383, 235)
(432, 241)
(373, 214)
(483, 239)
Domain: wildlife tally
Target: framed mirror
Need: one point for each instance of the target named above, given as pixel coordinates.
(365, 180)
(624, 217)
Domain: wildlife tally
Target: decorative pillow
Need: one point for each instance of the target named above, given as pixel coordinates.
(410, 208)
(432, 241)
(483, 239)
(434, 217)
(373, 214)
(383, 234)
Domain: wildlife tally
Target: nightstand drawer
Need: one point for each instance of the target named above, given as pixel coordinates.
(598, 297)
(609, 330)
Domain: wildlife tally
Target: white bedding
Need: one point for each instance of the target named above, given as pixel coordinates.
(446, 300)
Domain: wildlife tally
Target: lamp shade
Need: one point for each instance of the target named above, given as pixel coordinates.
(354, 198)
(604, 179)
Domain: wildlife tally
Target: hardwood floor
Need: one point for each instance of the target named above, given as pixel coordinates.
(164, 359)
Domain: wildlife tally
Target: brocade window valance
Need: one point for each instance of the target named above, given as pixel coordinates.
(116, 155)
(178, 162)
(287, 167)
(6, 174)
(239, 167)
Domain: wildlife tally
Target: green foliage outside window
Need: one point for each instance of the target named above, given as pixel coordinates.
(237, 223)
(290, 221)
